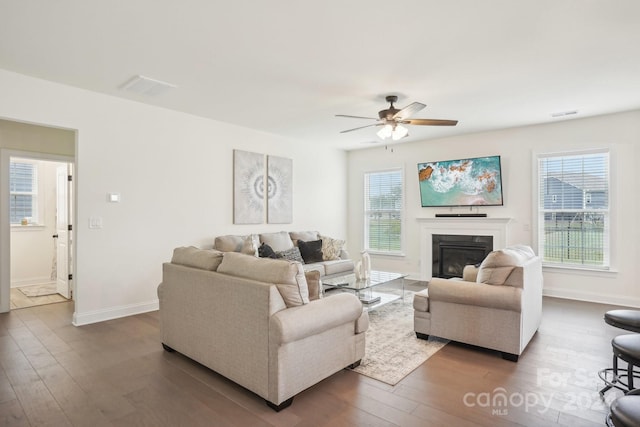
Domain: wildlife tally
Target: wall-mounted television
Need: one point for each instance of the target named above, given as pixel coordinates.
(464, 182)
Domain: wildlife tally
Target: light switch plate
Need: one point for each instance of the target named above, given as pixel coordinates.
(113, 197)
(95, 222)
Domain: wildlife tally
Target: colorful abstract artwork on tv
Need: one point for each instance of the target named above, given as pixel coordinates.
(464, 182)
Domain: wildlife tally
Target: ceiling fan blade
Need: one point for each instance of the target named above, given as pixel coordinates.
(356, 117)
(408, 111)
(361, 127)
(430, 122)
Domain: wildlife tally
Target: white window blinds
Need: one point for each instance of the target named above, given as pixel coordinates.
(23, 192)
(383, 211)
(573, 209)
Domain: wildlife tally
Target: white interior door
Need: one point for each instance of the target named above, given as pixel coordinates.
(63, 247)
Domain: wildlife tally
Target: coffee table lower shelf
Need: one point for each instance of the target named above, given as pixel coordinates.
(363, 288)
(373, 300)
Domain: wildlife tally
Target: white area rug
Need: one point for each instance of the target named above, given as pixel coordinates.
(392, 349)
(39, 290)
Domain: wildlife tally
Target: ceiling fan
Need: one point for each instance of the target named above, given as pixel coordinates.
(392, 120)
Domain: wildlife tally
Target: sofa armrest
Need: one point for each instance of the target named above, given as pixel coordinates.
(296, 323)
(478, 294)
(470, 273)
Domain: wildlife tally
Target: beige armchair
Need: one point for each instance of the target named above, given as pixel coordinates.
(496, 306)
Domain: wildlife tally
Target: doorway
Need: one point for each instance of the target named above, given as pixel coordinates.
(41, 241)
(37, 237)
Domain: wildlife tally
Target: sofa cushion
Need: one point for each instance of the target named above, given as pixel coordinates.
(205, 259)
(311, 251)
(229, 243)
(331, 248)
(303, 235)
(520, 253)
(498, 265)
(288, 276)
(495, 268)
(338, 266)
(279, 241)
(247, 244)
(314, 284)
(292, 254)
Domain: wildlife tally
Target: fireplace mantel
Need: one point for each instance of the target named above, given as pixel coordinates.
(480, 226)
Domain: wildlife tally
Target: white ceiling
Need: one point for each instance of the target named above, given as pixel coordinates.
(287, 67)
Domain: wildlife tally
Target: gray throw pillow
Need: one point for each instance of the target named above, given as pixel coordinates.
(292, 254)
(311, 251)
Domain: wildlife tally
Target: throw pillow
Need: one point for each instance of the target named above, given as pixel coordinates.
(265, 251)
(229, 243)
(279, 241)
(292, 254)
(251, 245)
(311, 251)
(331, 248)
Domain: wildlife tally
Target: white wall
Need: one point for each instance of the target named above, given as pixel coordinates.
(620, 132)
(32, 247)
(174, 174)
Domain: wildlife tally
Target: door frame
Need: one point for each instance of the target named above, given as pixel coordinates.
(5, 226)
(64, 286)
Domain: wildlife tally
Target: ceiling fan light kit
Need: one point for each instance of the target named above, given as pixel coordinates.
(396, 132)
(392, 118)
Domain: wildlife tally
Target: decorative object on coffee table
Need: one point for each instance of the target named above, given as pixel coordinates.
(366, 265)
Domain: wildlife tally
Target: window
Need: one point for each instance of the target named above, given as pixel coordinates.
(23, 192)
(383, 211)
(573, 209)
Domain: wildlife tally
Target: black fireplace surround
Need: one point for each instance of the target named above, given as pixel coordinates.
(451, 252)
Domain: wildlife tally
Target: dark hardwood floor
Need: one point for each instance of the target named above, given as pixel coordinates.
(115, 373)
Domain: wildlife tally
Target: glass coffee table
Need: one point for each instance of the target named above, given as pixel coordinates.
(363, 288)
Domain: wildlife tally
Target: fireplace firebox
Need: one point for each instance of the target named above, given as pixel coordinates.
(452, 252)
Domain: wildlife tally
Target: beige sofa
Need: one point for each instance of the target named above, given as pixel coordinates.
(262, 323)
(335, 259)
(496, 306)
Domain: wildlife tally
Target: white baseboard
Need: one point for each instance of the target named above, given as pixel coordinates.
(96, 316)
(44, 280)
(413, 276)
(592, 297)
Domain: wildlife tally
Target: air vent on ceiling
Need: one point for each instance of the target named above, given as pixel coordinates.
(147, 86)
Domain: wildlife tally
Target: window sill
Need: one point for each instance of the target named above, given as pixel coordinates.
(29, 227)
(389, 254)
(579, 270)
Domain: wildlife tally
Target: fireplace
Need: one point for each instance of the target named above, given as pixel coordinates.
(451, 252)
(489, 226)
